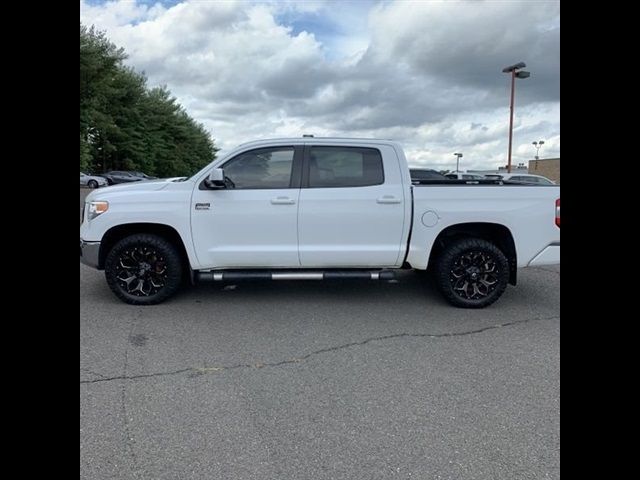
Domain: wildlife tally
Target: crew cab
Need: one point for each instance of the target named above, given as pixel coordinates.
(316, 209)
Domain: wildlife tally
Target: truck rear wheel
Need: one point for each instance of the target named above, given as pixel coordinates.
(143, 269)
(472, 273)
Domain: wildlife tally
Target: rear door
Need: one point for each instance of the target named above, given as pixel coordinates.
(352, 207)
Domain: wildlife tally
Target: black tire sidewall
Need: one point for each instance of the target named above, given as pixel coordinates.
(172, 259)
(448, 257)
(92, 184)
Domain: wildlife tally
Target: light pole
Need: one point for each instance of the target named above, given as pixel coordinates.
(538, 146)
(458, 161)
(513, 70)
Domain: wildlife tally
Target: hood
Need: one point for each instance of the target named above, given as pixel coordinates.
(141, 186)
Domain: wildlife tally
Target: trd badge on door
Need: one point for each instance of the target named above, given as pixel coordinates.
(202, 206)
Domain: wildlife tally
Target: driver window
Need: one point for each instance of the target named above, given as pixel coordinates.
(265, 168)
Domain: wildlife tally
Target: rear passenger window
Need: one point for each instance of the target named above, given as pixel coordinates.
(344, 167)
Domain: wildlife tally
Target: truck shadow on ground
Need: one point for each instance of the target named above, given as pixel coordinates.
(413, 293)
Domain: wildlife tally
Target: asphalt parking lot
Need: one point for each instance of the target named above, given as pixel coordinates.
(311, 380)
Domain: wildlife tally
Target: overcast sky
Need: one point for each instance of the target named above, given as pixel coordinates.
(425, 73)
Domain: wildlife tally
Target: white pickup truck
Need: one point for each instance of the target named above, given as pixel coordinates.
(314, 209)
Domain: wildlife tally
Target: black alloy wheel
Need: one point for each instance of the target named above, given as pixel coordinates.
(472, 272)
(143, 269)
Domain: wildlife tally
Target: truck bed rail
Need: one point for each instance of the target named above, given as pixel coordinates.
(454, 182)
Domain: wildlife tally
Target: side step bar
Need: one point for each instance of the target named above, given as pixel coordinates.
(233, 275)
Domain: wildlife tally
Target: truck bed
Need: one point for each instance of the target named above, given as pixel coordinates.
(529, 215)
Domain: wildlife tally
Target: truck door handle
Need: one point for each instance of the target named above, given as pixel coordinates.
(282, 201)
(388, 199)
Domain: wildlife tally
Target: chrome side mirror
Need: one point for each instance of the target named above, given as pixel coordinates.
(215, 179)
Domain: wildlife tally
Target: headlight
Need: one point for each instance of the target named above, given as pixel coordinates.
(96, 208)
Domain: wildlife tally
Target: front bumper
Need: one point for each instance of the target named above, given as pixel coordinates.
(90, 253)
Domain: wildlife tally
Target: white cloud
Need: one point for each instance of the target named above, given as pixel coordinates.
(424, 73)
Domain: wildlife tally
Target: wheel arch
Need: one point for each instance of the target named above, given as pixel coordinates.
(495, 233)
(117, 233)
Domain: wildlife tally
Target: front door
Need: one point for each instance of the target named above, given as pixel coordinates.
(253, 222)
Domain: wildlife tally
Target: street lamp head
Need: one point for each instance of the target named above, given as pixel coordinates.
(523, 74)
(537, 145)
(458, 154)
(514, 67)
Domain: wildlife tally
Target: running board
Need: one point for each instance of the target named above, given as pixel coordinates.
(234, 276)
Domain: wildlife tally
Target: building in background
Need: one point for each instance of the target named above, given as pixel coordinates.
(547, 167)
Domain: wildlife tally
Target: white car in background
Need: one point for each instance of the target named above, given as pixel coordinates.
(92, 181)
(522, 178)
(465, 176)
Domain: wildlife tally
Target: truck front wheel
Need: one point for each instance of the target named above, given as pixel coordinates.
(472, 273)
(143, 269)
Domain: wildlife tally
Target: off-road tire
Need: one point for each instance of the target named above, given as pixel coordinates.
(471, 272)
(145, 258)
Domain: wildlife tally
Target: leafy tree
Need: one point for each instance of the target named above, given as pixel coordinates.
(85, 156)
(126, 126)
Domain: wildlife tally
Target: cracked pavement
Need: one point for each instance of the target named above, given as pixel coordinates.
(336, 380)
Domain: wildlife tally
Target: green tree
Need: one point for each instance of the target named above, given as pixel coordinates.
(126, 126)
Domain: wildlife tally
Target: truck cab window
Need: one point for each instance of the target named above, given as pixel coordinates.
(266, 168)
(344, 167)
